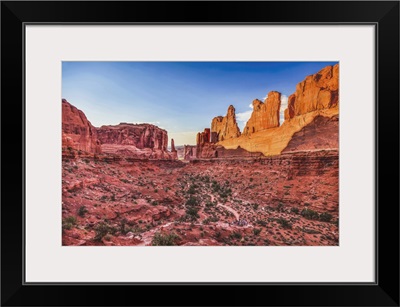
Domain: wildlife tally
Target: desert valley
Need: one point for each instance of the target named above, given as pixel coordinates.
(272, 184)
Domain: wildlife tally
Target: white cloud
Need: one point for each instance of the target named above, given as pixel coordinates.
(243, 116)
(284, 104)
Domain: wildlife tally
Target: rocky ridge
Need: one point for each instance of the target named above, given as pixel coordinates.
(225, 127)
(315, 103)
(77, 131)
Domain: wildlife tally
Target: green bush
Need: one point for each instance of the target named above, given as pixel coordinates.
(295, 210)
(309, 214)
(68, 222)
(284, 223)
(236, 235)
(210, 219)
(82, 211)
(160, 239)
(192, 201)
(256, 231)
(261, 222)
(325, 217)
(101, 229)
(192, 213)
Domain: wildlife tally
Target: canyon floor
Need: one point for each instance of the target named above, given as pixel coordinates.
(274, 201)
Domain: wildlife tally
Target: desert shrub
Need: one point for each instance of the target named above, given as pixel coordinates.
(192, 213)
(68, 222)
(255, 206)
(192, 189)
(284, 223)
(280, 207)
(122, 226)
(160, 239)
(209, 204)
(215, 186)
(236, 235)
(309, 214)
(82, 211)
(261, 222)
(325, 217)
(192, 201)
(256, 231)
(210, 219)
(102, 229)
(295, 210)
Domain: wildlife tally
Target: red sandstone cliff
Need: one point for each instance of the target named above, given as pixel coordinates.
(224, 127)
(321, 133)
(174, 152)
(77, 132)
(316, 92)
(265, 115)
(139, 140)
(311, 121)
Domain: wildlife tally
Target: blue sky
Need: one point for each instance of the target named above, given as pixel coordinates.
(181, 97)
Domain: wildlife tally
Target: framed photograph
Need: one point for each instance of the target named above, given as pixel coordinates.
(240, 147)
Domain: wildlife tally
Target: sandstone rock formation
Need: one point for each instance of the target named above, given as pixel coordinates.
(212, 151)
(316, 92)
(174, 152)
(190, 152)
(139, 135)
(321, 133)
(77, 132)
(224, 127)
(139, 140)
(265, 115)
(203, 137)
(312, 111)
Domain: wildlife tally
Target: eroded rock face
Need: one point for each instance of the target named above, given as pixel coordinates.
(225, 127)
(174, 152)
(321, 133)
(203, 137)
(317, 92)
(135, 140)
(189, 152)
(139, 135)
(77, 132)
(265, 115)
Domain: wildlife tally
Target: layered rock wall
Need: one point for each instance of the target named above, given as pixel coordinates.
(225, 127)
(135, 140)
(139, 135)
(174, 152)
(317, 92)
(77, 131)
(265, 115)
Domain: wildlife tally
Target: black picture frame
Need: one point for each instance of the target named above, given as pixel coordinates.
(383, 14)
